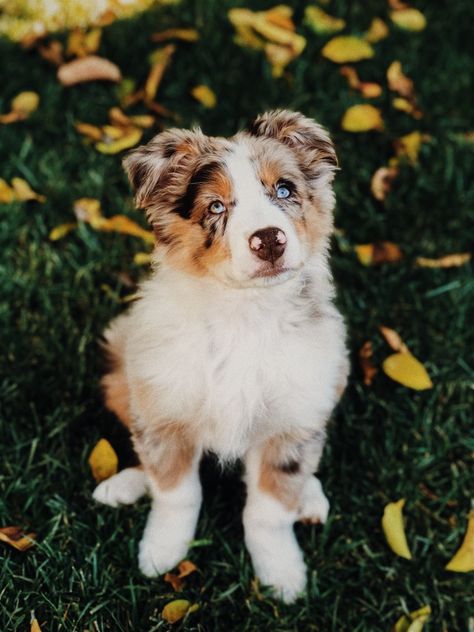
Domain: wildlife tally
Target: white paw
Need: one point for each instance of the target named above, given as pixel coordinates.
(314, 507)
(159, 553)
(124, 488)
(284, 574)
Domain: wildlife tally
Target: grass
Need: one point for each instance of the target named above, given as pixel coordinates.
(385, 442)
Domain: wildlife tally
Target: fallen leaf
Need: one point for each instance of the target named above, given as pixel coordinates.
(24, 104)
(176, 610)
(463, 560)
(321, 22)
(409, 19)
(90, 131)
(7, 194)
(365, 361)
(393, 339)
(103, 461)
(160, 60)
(130, 139)
(347, 48)
(34, 625)
(414, 621)
(409, 146)
(24, 193)
(88, 210)
(362, 118)
(185, 568)
(407, 370)
(142, 258)
(126, 226)
(61, 231)
(187, 35)
(378, 31)
(90, 68)
(399, 82)
(392, 525)
(379, 252)
(15, 537)
(448, 261)
(366, 88)
(381, 182)
(52, 52)
(205, 95)
(81, 43)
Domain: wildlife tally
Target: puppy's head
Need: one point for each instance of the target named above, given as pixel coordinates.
(249, 210)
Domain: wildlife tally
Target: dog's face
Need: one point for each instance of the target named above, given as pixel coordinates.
(250, 210)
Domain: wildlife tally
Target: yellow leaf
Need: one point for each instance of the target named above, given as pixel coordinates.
(279, 57)
(378, 252)
(393, 339)
(103, 461)
(61, 231)
(381, 182)
(34, 625)
(410, 145)
(143, 120)
(378, 30)
(160, 60)
(87, 210)
(398, 81)
(463, 560)
(362, 118)
(448, 261)
(177, 609)
(112, 132)
(126, 226)
(7, 194)
(14, 537)
(347, 48)
(407, 370)
(187, 35)
(204, 95)
(25, 102)
(142, 258)
(90, 131)
(413, 621)
(367, 89)
(130, 139)
(409, 19)
(392, 525)
(23, 191)
(321, 22)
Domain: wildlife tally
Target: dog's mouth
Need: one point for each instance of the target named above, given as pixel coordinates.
(271, 272)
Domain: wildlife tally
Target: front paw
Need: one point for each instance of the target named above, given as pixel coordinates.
(286, 576)
(314, 506)
(157, 555)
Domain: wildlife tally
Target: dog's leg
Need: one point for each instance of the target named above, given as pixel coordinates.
(278, 475)
(124, 488)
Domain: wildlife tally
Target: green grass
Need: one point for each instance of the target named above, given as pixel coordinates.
(385, 442)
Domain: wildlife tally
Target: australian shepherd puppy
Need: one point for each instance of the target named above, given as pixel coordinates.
(234, 346)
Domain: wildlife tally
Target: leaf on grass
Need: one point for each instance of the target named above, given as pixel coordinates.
(142, 258)
(347, 48)
(399, 82)
(160, 60)
(362, 118)
(463, 560)
(91, 132)
(186, 35)
(15, 537)
(176, 610)
(52, 52)
(124, 225)
(321, 22)
(409, 146)
(122, 142)
(205, 95)
(34, 625)
(185, 568)
(394, 530)
(61, 231)
(413, 621)
(409, 19)
(368, 89)
(90, 68)
(365, 361)
(88, 210)
(381, 182)
(407, 370)
(7, 194)
(81, 43)
(393, 339)
(378, 31)
(379, 252)
(24, 104)
(103, 461)
(448, 261)
(19, 191)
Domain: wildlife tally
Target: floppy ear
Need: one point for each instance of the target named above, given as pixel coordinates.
(157, 168)
(310, 140)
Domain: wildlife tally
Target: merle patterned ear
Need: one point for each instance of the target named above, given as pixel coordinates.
(305, 136)
(170, 152)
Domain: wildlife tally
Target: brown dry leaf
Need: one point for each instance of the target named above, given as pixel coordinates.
(381, 182)
(176, 610)
(61, 231)
(365, 361)
(463, 560)
(362, 118)
(322, 23)
(368, 89)
(347, 48)
(15, 537)
(448, 261)
(393, 339)
(52, 52)
(409, 19)
(409, 146)
(185, 568)
(379, 252)
(186, 35)
(103, 461)
(413, 621)
(90, 68)
(160, 60)
(24, 104)
(407, 370)
(378, 31)
(205, 95)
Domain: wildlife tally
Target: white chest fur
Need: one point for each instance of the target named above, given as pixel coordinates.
(239, 364)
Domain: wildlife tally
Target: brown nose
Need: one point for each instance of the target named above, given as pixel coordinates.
(268, 244)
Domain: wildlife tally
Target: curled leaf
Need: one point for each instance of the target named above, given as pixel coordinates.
(365, 361)
(61, 231)
(103, 461)
(126, 226)
(90, 68)
(24, 193)
(320, 22)
(176, 610)
(90, 131)
(393, 339)
(347, 48)
(409, 146)
(463, 560)
(448, 261)
(362, 118)
(160, 61)
(187, 35)
(381, 182)
(368, 89)
(378, 30)
(399, 82)
(378, 252)
(204, 95)
(130, 139)
(413, 621)
(409, 19)
(185, 568)
(407, 370)
(15, 537)
(394, 530)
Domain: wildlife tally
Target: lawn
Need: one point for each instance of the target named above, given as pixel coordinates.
(385, 442)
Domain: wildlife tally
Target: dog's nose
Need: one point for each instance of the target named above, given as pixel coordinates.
(268, 244)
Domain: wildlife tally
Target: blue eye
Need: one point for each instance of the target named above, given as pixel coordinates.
(283, 191)
(217, 207)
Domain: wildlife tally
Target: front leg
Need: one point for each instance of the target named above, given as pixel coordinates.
(279, 484)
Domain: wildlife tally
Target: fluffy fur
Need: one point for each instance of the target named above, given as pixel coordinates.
(235, 346)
